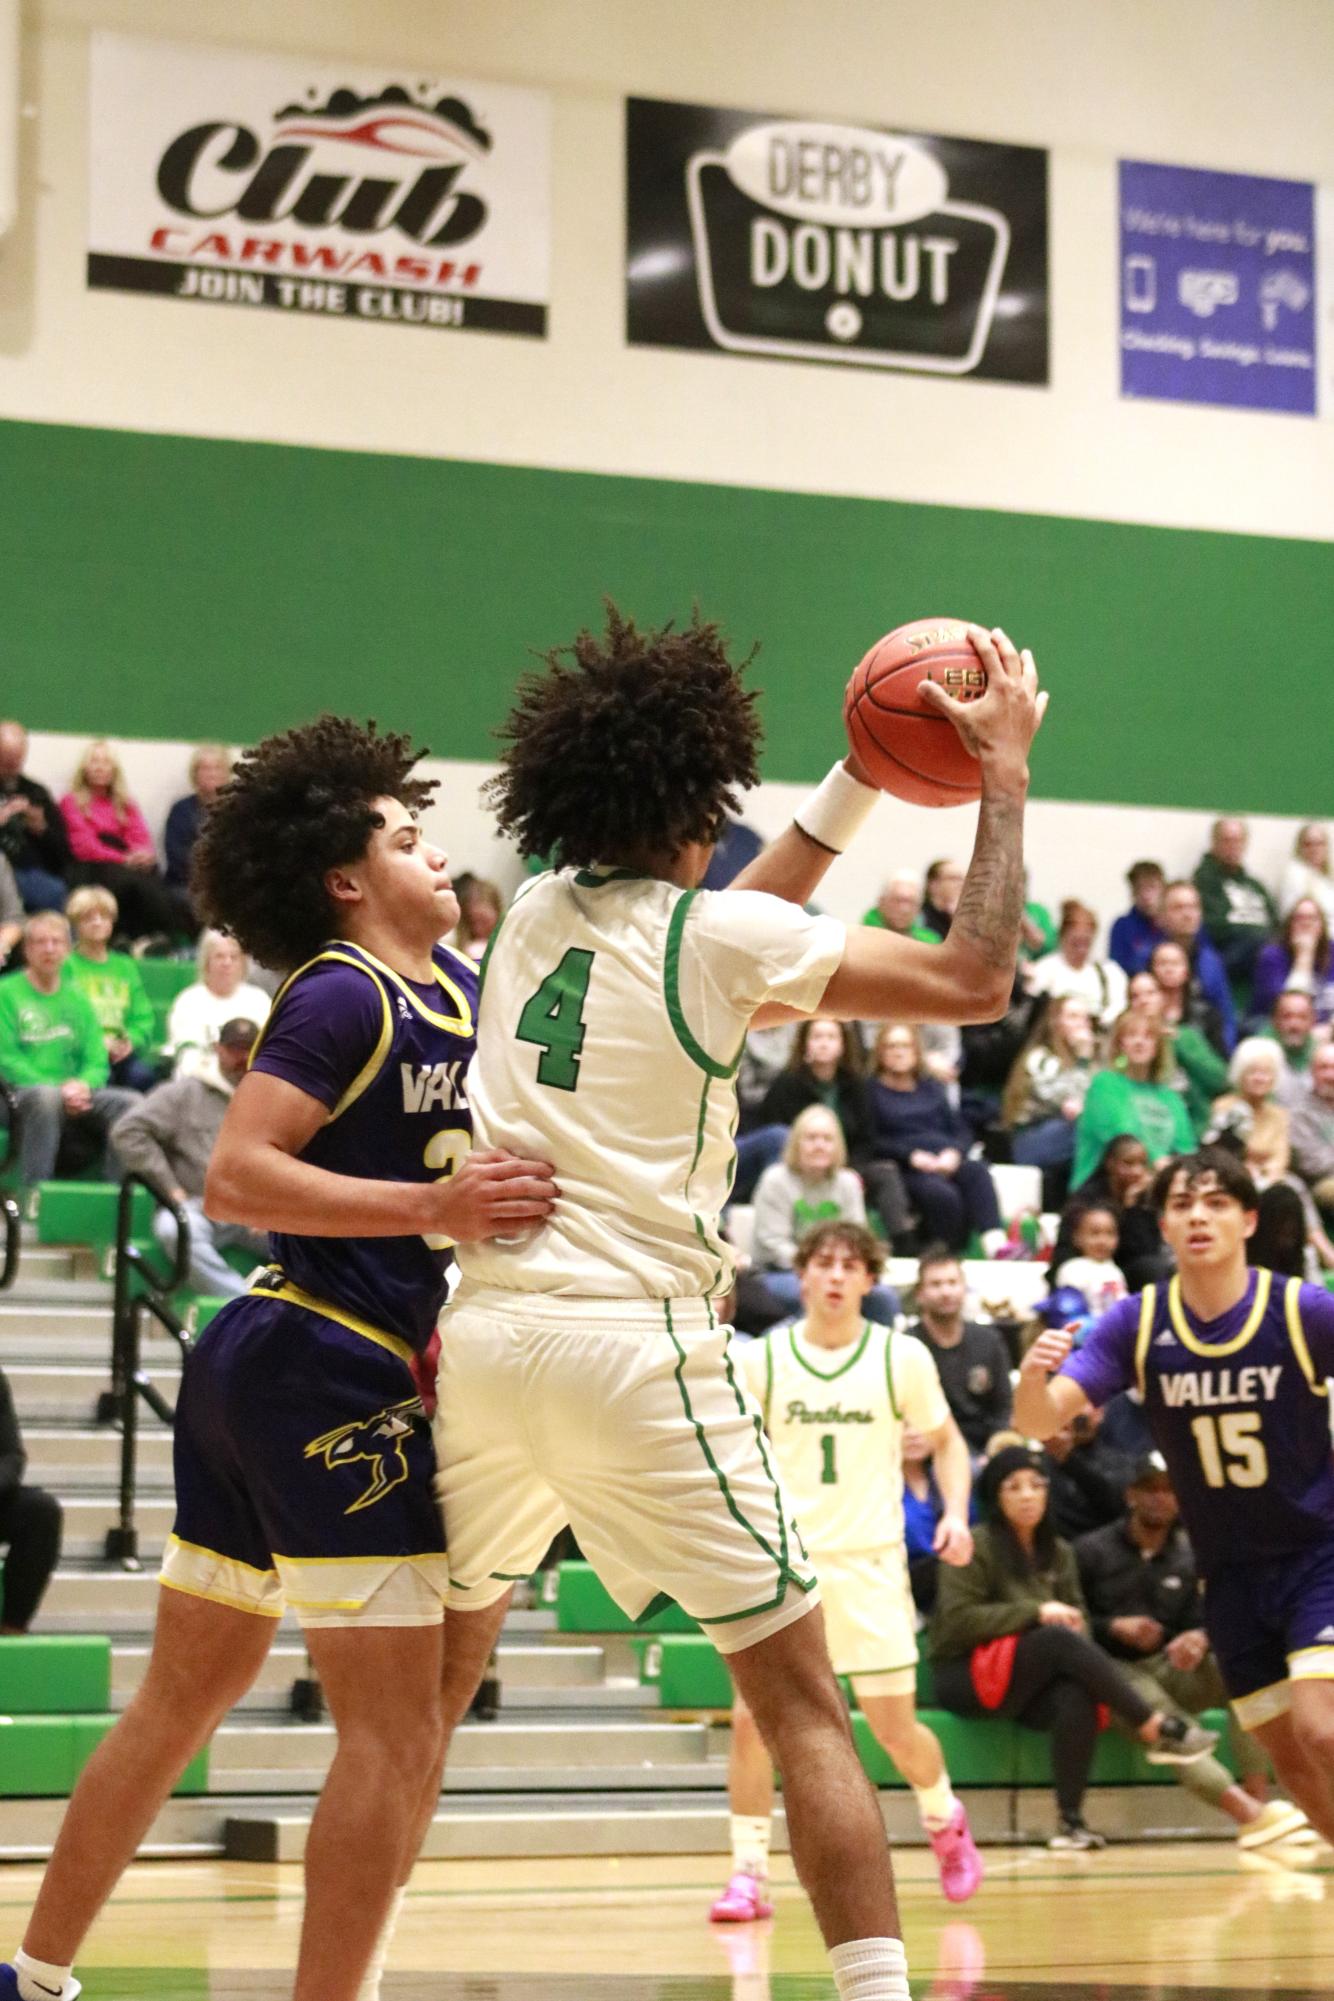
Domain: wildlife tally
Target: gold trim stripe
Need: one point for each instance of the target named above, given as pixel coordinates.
(1292, 1310)
(1212, 1351)
(294, 1296)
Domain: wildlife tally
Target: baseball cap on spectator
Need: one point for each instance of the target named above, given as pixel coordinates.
(1067, 1302)
(1150, 1466)
(238, 1033)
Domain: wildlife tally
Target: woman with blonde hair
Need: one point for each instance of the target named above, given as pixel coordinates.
(1308, 872)
(1046, 1088)
(222, 993)
(811, 1184)
(112, 848)
(114, 988)
(917, 1128)
(1134, 1095)
(1247, 1117)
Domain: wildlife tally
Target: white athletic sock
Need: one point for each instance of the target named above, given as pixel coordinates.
(936, 1804)
(870, 1969)
(40, 1981)
(750, 1844)
(369, 1989)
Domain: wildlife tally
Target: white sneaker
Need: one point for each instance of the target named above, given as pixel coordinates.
(1277, 1820)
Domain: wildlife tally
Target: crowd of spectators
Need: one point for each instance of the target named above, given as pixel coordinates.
(1081, 1597)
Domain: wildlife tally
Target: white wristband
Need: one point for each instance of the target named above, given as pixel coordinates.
(836, 809)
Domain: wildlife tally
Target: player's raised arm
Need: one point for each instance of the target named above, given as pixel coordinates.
(969, 977)
(1043, 1401)
(795, 864)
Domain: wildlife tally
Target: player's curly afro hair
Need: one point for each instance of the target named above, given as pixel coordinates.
(631, 743)
(297, 805)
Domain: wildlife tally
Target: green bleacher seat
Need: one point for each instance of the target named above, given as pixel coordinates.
(982, 1751)
(54, 1673)
(689, 1673)
(42, 1756)
(584, 1605)
(84, 1212)
(1116, 1762)
(165, 978)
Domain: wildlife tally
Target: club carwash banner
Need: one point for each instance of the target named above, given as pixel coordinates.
(334, 189)
(806, 239)
(1218, 288)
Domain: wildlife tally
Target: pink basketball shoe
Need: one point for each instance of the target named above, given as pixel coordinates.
(744, 1900)
(961, 1868)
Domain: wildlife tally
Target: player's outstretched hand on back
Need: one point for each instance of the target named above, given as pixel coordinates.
(495, 1194)
(1001, 724)
(1047, 1353)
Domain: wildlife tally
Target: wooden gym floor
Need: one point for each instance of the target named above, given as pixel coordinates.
(1131, 1924)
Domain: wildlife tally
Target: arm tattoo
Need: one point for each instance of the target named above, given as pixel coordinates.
(992, 901)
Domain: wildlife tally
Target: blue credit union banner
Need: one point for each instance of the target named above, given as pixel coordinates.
(1218, 288)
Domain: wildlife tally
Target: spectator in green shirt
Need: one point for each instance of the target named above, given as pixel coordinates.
(114, 986)
(1239, 913)
(53, 1056)
(1164, 993)
(1133, 1095)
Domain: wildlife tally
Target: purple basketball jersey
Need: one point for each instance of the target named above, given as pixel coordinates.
(387, 1057)
(1238, 1407)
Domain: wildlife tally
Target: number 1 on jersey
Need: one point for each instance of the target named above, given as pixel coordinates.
(829, 1471)
(553, 1018)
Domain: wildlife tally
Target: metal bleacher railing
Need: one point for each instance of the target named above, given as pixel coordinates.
(142, 1286)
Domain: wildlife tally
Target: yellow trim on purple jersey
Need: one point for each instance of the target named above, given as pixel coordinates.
(461, 1022)
(1145, 1334)
(1297, 1335)
(294, 1296)
(1212, 1351)
(370, 1070)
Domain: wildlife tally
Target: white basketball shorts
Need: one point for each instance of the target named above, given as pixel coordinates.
(622, 1418)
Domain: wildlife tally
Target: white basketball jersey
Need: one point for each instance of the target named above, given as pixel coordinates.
(614, 1008)
(835, 1418)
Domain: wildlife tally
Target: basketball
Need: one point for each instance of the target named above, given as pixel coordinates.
(906, 747)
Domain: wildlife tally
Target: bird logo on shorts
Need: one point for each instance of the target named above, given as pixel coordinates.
(379, 1441)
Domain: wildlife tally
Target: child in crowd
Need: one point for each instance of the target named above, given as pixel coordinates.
(1094, 1270)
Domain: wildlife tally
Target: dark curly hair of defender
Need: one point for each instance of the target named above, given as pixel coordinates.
(298, 804)
(631, 744)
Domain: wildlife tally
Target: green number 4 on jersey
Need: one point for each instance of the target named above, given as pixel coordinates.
(553, 1018)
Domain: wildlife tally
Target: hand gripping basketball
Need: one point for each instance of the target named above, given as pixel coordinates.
(936, 703)
(999, 727)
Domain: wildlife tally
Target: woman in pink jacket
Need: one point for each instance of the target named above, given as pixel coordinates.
(110, 845)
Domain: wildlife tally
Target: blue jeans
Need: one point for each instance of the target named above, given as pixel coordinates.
(754, 1152)
(40, 889)
(209, 1271)
(1050, 1143)
(134, 1073)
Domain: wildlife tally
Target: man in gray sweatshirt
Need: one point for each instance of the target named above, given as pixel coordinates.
(169, 1137)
